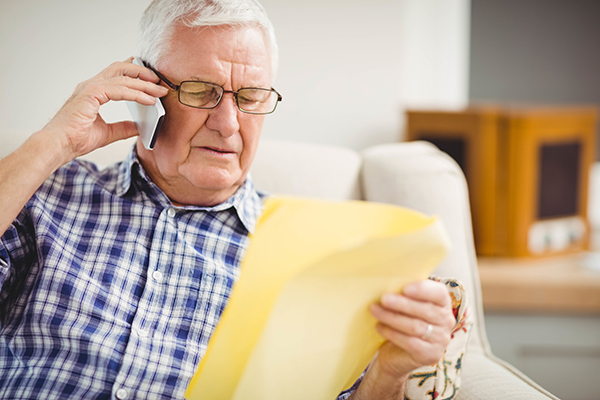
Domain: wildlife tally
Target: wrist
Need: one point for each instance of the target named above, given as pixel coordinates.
(50, 151)
(381, 383)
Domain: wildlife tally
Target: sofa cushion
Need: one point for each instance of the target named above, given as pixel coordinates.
(307, 170)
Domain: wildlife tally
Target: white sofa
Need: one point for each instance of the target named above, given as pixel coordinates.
(415, 175)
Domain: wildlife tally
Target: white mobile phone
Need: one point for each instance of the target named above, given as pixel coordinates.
(147, 119)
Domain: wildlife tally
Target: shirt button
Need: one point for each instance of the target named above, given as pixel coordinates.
(157, 276)
(121, 394)
(171, 212)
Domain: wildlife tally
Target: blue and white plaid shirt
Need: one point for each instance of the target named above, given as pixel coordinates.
(108, 291)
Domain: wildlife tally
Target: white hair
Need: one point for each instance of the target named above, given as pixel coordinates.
(161, 16)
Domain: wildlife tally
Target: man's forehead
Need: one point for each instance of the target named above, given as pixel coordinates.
(220, 50)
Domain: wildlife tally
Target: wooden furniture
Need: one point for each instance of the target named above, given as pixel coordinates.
(527, 169)
(560, 284)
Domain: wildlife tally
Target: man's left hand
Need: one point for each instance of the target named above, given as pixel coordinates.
(417, 326)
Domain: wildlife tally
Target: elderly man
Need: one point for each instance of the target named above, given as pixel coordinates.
(113, 280)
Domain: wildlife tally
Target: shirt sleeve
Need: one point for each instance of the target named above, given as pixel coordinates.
(17, 252)
(347, 393)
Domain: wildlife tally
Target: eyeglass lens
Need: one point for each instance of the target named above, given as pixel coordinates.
(208, 95)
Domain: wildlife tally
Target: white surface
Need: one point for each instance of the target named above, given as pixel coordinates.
(561, 352)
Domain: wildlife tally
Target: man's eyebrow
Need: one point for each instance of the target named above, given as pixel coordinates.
(198, 79)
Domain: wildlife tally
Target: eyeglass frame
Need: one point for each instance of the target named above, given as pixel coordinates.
(235, 93)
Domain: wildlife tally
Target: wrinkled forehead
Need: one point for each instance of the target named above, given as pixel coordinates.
(222, 49)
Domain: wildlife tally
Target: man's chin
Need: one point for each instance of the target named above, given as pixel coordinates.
(215, 179)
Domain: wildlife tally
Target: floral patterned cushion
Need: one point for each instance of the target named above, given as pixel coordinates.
(441, 381)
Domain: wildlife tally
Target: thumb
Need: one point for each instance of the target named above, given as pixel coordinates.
(121, 130)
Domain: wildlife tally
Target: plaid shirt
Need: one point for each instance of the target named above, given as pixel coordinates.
(108, 291)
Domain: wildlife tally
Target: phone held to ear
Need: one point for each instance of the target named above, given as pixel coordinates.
(147, 119)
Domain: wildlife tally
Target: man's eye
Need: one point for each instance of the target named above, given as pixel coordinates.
(199, 89)
(198, 93)
(248, 100)
(204, 92)
(253, 96)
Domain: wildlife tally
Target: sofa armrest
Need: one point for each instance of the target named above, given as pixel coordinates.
(487, 377)
(419, 176)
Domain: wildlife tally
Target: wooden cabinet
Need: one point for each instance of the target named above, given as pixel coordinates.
(527, 170)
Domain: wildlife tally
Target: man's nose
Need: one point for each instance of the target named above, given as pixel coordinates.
(224, 117)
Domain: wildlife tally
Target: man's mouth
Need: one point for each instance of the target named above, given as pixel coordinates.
(218, 150)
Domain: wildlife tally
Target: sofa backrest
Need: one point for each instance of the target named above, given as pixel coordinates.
(307, 170)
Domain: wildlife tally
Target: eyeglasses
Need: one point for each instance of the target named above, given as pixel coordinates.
(208, 95)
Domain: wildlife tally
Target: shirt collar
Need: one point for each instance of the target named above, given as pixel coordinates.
(246, 201)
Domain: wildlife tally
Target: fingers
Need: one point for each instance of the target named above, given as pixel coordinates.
(406, 324)
(128, 68)
(126, 88)
(427, 300)
(124, 81)
(429, 291)
(416, 325)
(421, 352)
(418, 321)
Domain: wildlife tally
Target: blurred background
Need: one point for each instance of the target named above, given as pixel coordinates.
(347, 68)
(348, 71)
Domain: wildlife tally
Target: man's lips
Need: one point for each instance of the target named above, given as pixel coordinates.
(217, 150)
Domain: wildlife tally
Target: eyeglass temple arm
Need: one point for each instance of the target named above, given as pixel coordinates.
(279, 97)
(161, 77)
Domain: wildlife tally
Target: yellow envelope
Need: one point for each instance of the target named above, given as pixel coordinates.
(297, 324)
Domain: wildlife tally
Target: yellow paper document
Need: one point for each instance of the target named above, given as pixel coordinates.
(297, 324)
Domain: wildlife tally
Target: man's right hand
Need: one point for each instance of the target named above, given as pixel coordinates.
(76, 130)
(78, 125)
